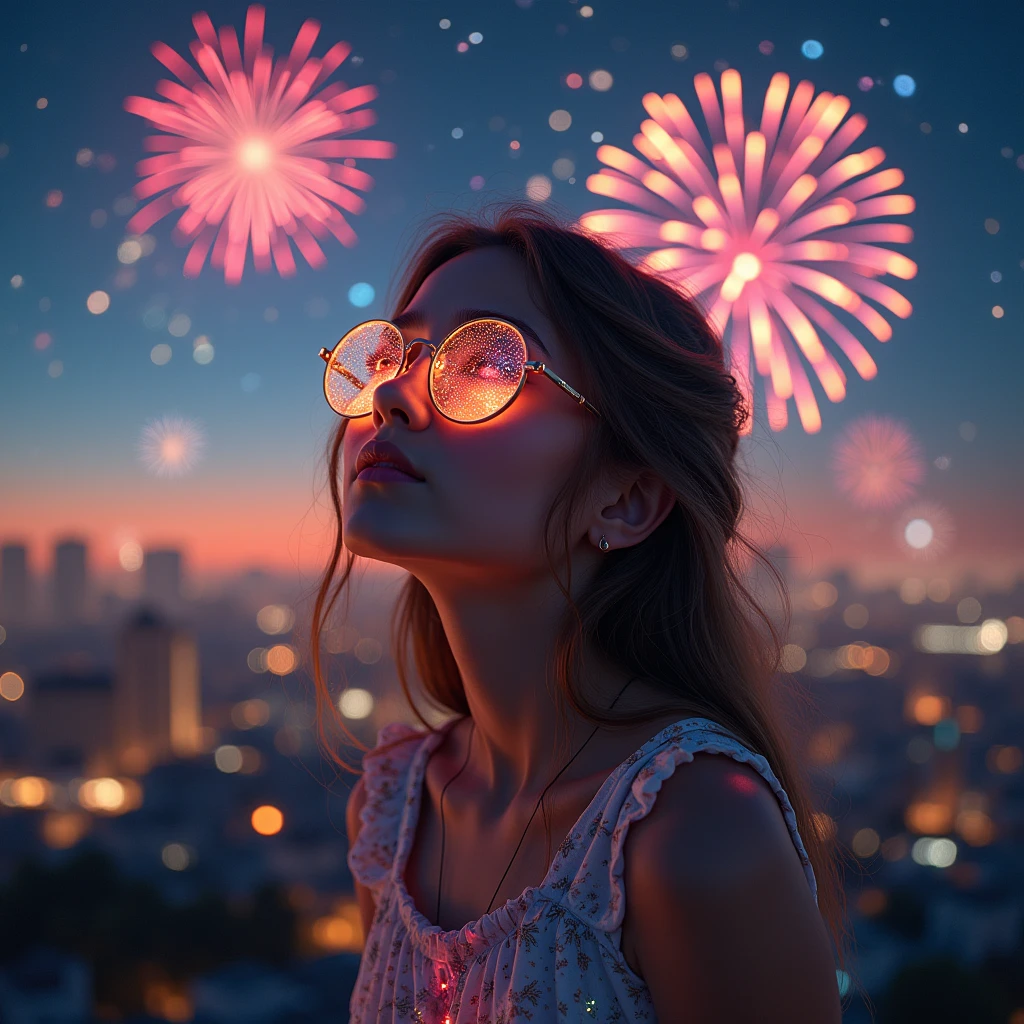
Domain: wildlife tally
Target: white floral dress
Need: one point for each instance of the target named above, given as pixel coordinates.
(552, 953)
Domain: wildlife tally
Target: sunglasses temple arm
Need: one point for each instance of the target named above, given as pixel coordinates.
(566, 387)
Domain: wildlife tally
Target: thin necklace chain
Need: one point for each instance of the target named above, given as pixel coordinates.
(469, 749)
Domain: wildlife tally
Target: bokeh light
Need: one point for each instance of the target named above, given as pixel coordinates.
(355, 703)
(361, 294)
(904, 85)
(267, 820)
(12, 686)
(98, 302)
(812, 49)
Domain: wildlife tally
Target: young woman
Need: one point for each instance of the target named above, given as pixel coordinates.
(544, 437)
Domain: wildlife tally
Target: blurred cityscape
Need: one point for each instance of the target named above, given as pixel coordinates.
(172, 840)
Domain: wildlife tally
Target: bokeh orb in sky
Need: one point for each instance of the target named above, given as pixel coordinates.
(904, 85)
(129, 555)
(560, 120)
(919, 533)
(98, 302)
(538, 187)
(179, 325)
(202, 350)
(865, 82)
(925, 529)
(129, 251)
(361, 294)
(812, 49)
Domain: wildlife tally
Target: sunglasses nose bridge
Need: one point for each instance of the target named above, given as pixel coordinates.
(409, 357)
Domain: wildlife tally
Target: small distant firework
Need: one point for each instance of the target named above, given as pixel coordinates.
(763, 224)
(171, 446)
(925, 530)
(877, 462)
(252, 152)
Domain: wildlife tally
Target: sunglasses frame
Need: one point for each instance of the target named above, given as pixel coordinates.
(529, 365)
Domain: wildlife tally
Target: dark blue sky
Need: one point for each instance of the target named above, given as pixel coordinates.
(75, 434)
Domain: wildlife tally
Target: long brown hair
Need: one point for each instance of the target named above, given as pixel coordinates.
(674, 609)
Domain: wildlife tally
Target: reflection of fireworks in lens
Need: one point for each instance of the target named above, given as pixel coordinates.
(171, 446)
(925, 529)
(249, 150)
(877, 462)
(764, 225)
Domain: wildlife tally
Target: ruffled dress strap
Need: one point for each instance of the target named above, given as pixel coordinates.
(385, 777)
(597, 892)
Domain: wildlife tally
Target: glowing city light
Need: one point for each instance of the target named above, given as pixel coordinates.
(988, 638)
(253, 151)
(171, 446)
(355, 702)
(877, 462)
(267, 820)
(12, 686)
(762, 228)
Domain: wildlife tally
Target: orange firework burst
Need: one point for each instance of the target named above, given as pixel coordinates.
(171, 446)
(877, 462)
(249, 154)
(764, 224)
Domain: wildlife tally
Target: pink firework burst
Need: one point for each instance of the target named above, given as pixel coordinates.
(877, 462)
(251, 152)
(767, 224)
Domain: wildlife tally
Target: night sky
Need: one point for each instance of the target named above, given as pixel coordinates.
(77, 390)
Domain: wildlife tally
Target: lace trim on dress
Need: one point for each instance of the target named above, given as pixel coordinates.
(385, 773)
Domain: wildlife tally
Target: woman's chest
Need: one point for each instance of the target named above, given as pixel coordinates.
(486, 863)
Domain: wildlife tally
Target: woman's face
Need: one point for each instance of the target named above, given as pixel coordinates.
(480, 510)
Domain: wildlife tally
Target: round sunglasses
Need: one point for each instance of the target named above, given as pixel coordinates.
(474, 374)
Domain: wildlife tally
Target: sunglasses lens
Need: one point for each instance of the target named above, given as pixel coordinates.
(478, 370)
(367, 356)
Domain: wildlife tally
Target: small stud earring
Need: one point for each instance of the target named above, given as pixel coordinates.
(604, 545)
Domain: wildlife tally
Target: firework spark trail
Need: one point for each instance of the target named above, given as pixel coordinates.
(250, 152)
(763, 223)
(171, 446)
(877, 462)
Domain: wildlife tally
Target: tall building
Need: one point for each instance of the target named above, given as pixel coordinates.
(70, 582)
(161, 579)
(157, 707)
(71, 722)
(14, 584)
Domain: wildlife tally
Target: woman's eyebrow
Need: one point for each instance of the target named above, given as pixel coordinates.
(414, 318)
